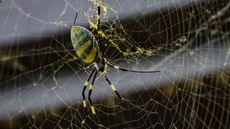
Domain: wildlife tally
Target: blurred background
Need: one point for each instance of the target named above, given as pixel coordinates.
(41, 78)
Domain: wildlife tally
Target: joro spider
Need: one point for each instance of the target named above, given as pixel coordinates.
(91, 51)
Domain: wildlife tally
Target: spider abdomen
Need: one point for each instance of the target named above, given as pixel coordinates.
(84, 44)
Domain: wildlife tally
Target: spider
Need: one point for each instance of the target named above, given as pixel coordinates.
(91, 51)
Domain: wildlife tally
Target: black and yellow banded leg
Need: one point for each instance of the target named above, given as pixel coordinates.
(113, 88)
(90, 101)
(128, 70)
(83, 94)
(98, 23)
(98, 17)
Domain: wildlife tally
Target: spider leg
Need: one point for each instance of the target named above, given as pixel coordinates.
(101, 46)
(113, 88)
(98, 22)
(74, 23)
(90, 101)
(98, 17)
(128, 70)
(83, 94)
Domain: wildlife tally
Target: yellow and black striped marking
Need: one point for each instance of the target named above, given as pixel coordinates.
(85, 44)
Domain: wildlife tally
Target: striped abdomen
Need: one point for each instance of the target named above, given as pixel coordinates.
(84, 43)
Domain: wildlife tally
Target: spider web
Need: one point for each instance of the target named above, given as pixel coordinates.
(41, 78)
